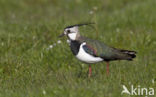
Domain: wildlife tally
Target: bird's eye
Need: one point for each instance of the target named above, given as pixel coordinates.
(68, 31)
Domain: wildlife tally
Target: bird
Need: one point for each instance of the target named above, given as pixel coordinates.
(91, 51)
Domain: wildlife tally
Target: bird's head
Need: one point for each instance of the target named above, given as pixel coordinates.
(72, 32)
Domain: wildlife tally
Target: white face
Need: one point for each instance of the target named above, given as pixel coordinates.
(71, 32)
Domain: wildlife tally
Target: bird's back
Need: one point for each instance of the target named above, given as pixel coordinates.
(106, 52)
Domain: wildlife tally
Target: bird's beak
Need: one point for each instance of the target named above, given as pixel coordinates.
(61, 35)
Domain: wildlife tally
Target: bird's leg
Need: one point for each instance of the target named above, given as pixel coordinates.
(107, 68)
(90, 71)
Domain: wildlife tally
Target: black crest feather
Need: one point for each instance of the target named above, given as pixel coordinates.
(79, 25)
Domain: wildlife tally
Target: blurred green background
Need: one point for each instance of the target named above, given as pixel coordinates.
(33, 64)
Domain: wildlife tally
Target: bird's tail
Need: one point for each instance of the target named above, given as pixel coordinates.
(130, 54)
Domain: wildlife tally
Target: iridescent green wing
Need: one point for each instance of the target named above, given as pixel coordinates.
(97, 48)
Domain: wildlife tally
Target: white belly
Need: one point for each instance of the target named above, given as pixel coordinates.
(85, 57)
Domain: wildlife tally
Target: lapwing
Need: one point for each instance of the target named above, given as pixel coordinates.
(92, 51)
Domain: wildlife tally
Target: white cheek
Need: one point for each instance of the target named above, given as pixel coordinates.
(72, 36)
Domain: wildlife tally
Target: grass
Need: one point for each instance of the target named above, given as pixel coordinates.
(28, 27)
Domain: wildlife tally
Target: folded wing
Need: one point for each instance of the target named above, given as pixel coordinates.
(99, 49)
